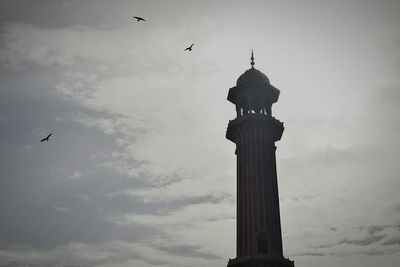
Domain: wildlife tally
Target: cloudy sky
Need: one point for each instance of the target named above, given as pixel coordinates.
(138, 171)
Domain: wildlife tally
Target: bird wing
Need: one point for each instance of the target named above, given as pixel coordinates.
(46, 138)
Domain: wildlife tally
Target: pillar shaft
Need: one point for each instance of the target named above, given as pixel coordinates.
(257, 198)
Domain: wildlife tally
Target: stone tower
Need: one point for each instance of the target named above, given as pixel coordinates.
(255, 131)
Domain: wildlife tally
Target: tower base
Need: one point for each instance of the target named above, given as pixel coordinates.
(260, 261)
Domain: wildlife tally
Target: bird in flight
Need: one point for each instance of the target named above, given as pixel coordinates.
(139, 19)
(46, 138)
(189, 48)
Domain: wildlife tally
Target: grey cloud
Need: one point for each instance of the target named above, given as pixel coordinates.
(372, 230)
(371, 236)
(170, 204)
(47, 211)
(374, 252)
(392, 241)
(42, 12)
(323, 246)
(221, 217)
(396, 208)
(303, 197)
(345, 253)
(368, 240)
(3, 120)
(57, 14)
(189, 251)
(312, 254)
(35, 187)
(103, 15)
(125, 203)
(77, 255)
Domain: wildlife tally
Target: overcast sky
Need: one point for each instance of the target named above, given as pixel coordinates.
(138, 171)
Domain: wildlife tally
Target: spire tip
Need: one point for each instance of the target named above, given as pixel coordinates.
(252, 59)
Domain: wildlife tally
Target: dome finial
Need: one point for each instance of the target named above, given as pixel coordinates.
(252, 59)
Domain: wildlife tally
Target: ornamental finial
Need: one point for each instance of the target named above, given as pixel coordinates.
(252, 59)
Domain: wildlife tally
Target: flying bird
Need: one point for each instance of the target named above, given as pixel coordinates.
(139, 19)
(46, 138)
(189, 48)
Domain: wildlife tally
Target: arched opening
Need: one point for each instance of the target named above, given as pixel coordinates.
(262, 243)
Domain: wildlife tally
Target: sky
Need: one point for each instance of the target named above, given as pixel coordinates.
(138, 171)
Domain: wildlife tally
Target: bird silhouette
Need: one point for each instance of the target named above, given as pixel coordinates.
(189, 48)
(46, 138)
(139, 19)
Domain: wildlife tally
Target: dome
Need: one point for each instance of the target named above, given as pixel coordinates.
(252, 75)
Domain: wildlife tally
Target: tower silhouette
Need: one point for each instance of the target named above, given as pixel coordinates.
(255, 131)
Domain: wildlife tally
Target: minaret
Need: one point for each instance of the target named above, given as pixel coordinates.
(255, 131)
